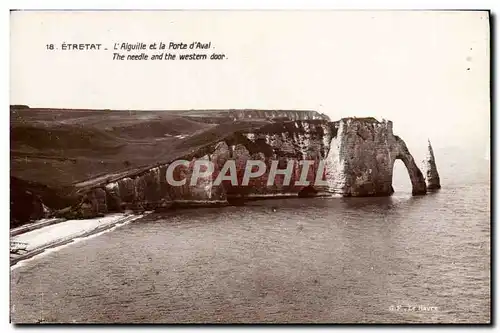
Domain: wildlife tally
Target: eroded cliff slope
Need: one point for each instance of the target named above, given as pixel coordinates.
(350, 157)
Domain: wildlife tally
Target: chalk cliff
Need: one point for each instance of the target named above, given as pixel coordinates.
(361, 159)
(83, 163)
(220, 116)
(430, 169)
(349, 157)
(273, 114)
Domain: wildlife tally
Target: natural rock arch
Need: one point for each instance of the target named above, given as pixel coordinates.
(361, 158)
(416, 177)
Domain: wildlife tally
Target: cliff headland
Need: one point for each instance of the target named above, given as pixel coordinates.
(85, 163)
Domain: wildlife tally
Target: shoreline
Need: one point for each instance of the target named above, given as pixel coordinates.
(55, 235)
(35, 225)
(47, 234)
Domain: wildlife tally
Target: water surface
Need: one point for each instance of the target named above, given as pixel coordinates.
(341, 260)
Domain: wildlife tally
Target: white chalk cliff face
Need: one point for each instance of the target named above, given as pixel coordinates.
(271, 114)
(361, 159)
(430, 169)
(350, 157)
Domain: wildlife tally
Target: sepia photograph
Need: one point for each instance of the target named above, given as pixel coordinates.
(250, 167)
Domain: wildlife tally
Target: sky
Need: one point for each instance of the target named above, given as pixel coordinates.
(428, 72)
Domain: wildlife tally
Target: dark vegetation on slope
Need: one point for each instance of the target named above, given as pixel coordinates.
(61, 147)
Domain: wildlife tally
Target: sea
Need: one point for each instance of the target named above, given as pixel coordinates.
(398, 259)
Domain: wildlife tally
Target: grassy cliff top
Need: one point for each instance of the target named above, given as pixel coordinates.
(62, 147)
